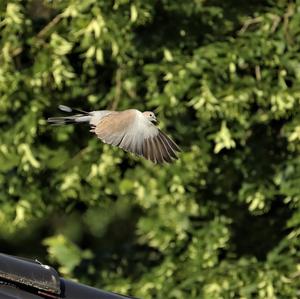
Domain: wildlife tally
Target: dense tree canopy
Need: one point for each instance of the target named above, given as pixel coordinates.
(223, 78)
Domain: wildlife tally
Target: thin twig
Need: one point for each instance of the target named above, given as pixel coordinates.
(118, 90)
(276, 21)
(287, 15)
(49, 26)
(248, 23)
(16, 52)
(257, 73)
(40, 35)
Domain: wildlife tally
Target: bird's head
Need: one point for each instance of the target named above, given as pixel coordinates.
(150, 116)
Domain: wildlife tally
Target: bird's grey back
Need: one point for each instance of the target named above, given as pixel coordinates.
(96, 116)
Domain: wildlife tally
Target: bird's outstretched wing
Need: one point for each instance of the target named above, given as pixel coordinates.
(132, 133)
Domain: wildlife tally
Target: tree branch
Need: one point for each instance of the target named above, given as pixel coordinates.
(40, 35)
(248, 23)
(49, 26)
(118, 90)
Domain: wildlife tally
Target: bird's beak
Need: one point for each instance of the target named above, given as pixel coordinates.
(156, 121)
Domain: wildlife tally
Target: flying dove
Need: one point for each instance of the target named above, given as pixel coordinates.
(132, 130)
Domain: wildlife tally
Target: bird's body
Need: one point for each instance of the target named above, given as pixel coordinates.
(131, 130)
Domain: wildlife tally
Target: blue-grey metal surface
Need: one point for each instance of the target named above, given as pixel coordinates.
(27, 279)
(9, 292)
(74, 290)
(29, 273)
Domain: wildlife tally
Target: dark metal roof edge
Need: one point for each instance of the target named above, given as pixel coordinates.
(34, 279)
(29, 273)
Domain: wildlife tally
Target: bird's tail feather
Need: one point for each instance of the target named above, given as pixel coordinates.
(70, 109)
(73, 119)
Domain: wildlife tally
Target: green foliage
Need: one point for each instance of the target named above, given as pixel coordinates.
(65, 253)
(223, 76)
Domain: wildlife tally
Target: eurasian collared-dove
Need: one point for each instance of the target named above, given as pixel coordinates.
(130, 130)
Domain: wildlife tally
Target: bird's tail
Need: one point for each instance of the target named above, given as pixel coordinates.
(83, 116)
